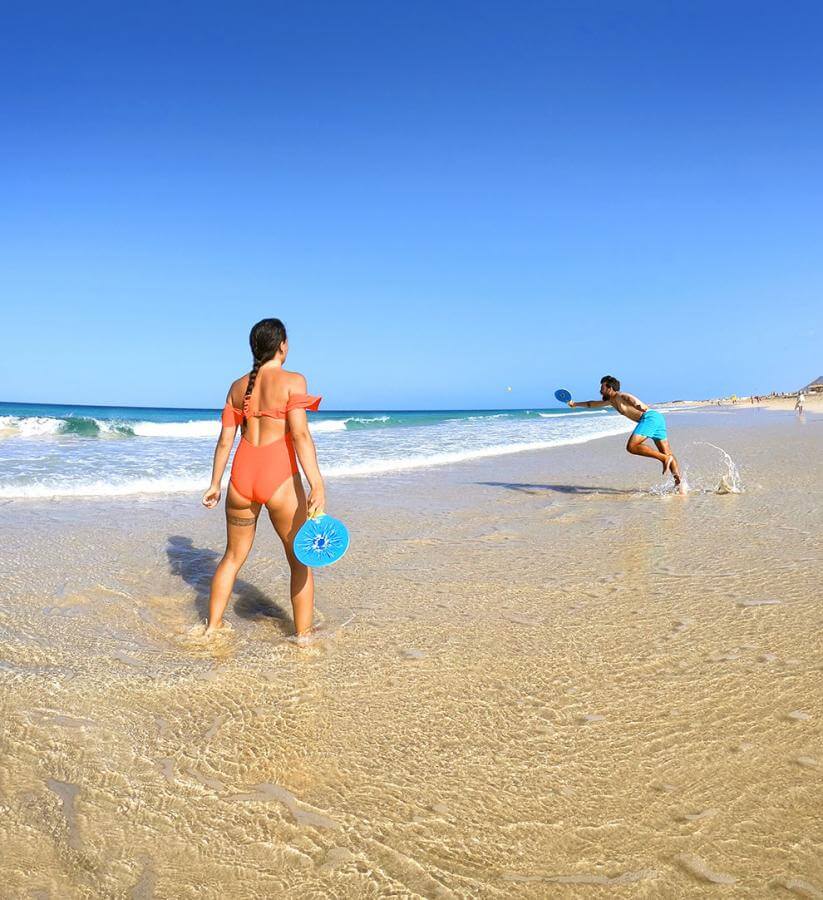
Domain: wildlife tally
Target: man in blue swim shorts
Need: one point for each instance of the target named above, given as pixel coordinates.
(650, 424)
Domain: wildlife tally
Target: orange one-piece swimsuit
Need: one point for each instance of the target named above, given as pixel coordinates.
(257, 471)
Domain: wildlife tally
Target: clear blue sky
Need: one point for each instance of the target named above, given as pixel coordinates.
(440, 199)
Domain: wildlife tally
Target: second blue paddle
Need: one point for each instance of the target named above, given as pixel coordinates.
(563, 395)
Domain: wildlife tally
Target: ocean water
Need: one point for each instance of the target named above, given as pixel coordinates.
(55, 450)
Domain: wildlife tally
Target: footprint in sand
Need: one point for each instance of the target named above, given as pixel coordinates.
(411, 653)
(215, 726)
(588, 878)
(664, 787)
(746, 603)
(583, 878)
(213, 783)
(590, 717)
(123, 657)
(145, 887)
(520, 619)
(698, 816)
(336, 857)
(266, 792)
(67, 792)
(801, 888)
(724, 656)
(70, 722)
(699, 869)
(681, 625)
(797, 715)
(807, 762)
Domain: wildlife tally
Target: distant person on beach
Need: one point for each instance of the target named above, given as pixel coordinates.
(801, 400)
(269, 406)
(650, 424)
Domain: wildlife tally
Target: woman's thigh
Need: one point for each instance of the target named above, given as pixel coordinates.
(287, 510)
(241, 521)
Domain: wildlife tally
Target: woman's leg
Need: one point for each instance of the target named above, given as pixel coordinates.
(287, 511)
(241, 519)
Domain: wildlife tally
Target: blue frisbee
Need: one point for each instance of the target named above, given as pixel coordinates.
(321, 541)
(562, 395)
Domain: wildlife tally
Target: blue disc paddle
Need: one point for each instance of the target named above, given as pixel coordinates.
(562, 395)
(321, 541)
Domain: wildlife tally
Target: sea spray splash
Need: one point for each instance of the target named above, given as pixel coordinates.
(729, 482)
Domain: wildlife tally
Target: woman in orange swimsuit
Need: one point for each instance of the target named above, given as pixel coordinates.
(269, 406)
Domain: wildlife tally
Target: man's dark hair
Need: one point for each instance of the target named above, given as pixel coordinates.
(611, 382)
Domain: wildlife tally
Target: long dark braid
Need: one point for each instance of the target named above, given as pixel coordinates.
(265, 339)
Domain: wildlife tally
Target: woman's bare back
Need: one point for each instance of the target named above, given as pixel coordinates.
(272, 389)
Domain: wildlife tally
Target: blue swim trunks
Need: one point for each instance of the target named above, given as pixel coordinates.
(651, 425)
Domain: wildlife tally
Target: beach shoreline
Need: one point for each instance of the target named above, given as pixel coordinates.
(537, 672)
(782, 403)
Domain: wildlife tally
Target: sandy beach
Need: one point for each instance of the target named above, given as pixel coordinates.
(537, 676)
(813, 402)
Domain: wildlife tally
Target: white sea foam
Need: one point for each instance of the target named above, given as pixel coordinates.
(84, 456)
(426, 460)
(328, 426)
(210, 428)
(194, 429)
(589, 412)
(187, 473)
(30, 426)
(99, 488)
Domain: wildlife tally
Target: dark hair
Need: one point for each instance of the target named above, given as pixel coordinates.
(611, 382)
(265, 339)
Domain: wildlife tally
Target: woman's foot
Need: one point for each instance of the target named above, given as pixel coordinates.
(307, 637)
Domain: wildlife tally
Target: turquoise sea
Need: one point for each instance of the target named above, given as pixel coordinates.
(56, 450)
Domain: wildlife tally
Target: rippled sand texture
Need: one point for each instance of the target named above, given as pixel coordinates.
(536, 678)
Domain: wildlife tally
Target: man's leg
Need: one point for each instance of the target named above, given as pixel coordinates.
(636, 446)
(663, 447)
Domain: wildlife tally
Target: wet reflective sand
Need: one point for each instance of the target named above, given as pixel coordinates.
(534, 678)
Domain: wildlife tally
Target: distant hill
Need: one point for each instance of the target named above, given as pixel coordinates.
(816, 385)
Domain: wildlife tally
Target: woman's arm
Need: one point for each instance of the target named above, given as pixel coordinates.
(222, 451)
(307, 454)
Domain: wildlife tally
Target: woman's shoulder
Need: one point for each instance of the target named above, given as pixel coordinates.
(237, 390)
(296, 382)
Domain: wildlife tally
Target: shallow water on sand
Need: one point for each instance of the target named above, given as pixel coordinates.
(534, 677)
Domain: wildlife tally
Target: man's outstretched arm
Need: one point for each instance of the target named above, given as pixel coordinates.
(591, 404)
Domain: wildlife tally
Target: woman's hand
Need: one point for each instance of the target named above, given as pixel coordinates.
(317, 500)
(212, 496)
